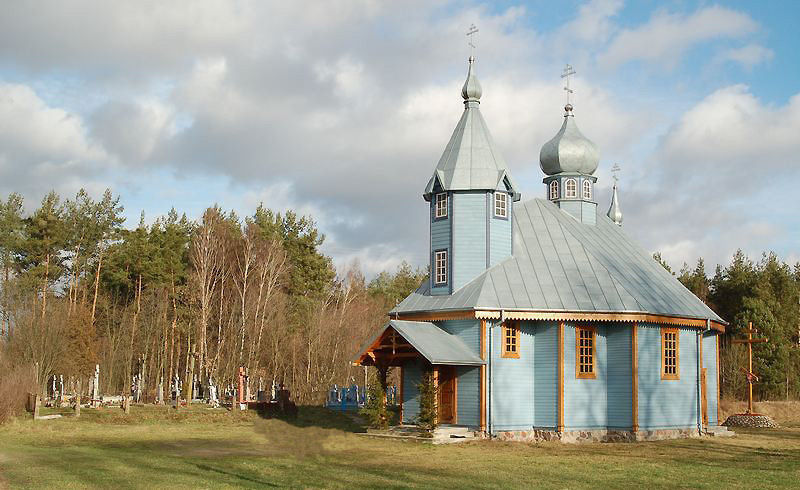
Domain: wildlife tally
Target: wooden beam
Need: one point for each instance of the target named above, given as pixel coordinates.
(604, 317)
(436, 398)
(402, 368)
(635, 378)
(429, 316)
(560, 423)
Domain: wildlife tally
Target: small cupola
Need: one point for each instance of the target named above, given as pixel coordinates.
(569, 161)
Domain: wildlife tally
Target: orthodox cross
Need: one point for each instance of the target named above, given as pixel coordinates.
(470, 33)
(568, 72)
(615, 172)
(749, 373)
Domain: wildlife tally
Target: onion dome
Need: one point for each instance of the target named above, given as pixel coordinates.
(471, 92)
(614, 211)
(569, 150)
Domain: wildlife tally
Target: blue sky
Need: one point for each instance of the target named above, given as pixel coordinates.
(342, 111)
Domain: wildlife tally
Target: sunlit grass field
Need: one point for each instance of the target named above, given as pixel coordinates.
(197, 447)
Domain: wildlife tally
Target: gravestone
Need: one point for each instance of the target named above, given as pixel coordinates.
(96, 387)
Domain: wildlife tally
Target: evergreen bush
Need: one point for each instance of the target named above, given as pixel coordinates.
(374, 410)
(427, 402)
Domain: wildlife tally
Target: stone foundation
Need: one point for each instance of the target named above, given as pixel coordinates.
(602, 435)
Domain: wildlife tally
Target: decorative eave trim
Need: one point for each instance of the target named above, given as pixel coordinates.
(629, 317)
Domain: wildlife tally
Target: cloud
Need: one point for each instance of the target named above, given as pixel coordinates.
(731, 130)
(341, 110)
(720, 179)
(748, 56)
(666, 36)
(44, 147)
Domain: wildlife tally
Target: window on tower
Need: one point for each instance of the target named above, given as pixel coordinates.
(440, 266)
(587, 189)
(571, 188)
(500, 205)
(554, 190)
(441, 205)
(510, 340)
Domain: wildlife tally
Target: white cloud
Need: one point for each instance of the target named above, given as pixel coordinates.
(748, 56)
(43, 147)
(734, 132)
(666, 36)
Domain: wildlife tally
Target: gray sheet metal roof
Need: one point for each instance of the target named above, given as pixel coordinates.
(471, 161)
(433, 343)
(560, 264)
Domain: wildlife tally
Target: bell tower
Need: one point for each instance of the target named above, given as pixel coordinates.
(471, 196)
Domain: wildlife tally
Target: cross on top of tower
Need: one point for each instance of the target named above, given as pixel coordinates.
(615, 172)
(470, 34)
(567, 73)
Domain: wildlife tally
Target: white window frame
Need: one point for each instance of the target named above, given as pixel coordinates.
(440, 205)
(500, 205)
(440, 267)
(587, 189)
(553, 190)
(570, 193)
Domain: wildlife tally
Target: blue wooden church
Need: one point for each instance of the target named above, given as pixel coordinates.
(542, 319)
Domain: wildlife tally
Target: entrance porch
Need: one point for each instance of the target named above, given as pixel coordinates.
(419, 347)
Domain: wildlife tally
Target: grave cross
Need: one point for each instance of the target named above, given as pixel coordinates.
(750, 375)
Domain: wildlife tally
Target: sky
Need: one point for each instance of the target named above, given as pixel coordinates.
(341, 110)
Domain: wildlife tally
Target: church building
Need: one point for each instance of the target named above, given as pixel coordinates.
(541, 318)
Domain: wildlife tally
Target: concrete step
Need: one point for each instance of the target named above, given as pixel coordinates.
(719, 431)
(451, 435)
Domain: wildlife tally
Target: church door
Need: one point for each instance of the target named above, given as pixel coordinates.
(447, 395)
(704, 396)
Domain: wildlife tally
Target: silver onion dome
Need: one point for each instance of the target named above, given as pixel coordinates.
(569, 150)
(471, 92)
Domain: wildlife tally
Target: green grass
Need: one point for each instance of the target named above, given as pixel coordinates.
(214, 448)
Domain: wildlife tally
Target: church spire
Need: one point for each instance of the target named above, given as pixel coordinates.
(614, 211)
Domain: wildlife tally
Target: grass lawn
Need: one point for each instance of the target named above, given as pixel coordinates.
(198, 447)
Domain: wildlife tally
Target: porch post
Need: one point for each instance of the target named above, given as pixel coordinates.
(436, 398)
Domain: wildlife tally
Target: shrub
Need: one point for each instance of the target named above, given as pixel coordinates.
(427, 402)
(15, 384)
(375, 410)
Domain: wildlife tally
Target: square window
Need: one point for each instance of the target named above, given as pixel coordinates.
(501, 205)
(440, 266)
(441, 205)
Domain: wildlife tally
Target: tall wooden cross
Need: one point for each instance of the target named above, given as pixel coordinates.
(750, 375)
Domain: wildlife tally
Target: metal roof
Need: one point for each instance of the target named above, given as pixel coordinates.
(471, 161)
(433, 343)
(561, 264)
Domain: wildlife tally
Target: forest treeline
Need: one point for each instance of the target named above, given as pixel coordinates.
(182, 298)
(767, 293)
(187, 298)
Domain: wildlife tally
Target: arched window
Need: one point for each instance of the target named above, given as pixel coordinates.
(554, 190)
(587, 189)
(571, 188)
